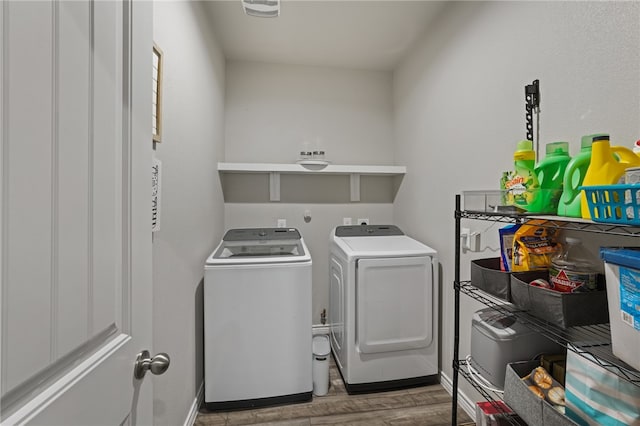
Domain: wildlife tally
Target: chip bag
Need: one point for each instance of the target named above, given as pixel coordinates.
(533, 247)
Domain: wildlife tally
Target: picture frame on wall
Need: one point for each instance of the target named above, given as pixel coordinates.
(157, 94)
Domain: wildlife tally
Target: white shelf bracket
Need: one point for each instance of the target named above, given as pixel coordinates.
(274, 186)
(355, 187)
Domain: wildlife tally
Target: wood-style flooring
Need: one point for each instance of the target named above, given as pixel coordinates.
(422, 406)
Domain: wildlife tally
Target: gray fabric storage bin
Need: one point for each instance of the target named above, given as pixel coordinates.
(529, 407)
(562, 309)
(487, 276)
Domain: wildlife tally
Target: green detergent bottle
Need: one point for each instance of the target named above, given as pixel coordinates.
(550, 173)
(522, 185)
(569, 204)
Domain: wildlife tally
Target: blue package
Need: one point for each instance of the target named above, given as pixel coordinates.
(507, 235)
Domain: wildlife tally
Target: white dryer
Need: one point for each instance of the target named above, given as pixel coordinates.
(383, 308)
(257, 319)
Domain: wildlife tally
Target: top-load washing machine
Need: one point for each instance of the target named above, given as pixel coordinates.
(383, 308)
(257, 319)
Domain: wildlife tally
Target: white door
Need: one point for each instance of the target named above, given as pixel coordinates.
(75, 162)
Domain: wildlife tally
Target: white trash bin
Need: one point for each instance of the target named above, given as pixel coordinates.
(321, 350)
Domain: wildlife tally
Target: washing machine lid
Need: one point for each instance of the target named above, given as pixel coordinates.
(260, 245)
(391, 246)
(378, 241)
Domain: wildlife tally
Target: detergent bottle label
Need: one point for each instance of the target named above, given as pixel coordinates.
(567, 281)
(520, 189)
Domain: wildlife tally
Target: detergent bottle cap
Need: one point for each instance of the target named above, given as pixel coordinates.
(585, 143)
(600, 137)
(558, 148)
(525, 145)
(636, 147)
(524, 151)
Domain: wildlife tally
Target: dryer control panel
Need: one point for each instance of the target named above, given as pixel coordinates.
(367, 231)
(259, 234)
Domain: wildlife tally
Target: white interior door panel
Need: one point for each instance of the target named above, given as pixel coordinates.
(76, 245)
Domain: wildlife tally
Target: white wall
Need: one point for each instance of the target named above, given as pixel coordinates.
(459, 108)
(192, 206)
(271, 109)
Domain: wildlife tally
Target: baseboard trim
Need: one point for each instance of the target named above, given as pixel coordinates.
(464, 402)
(193, 411)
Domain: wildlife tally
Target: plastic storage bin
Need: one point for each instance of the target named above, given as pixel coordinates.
(487, 276)
(622, 272)
(483, 201)
(561, 309)
(321, 349)
(498, 339)
(614, 203)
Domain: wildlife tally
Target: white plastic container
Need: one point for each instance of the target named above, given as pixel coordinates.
(622, 272)
(321, 350)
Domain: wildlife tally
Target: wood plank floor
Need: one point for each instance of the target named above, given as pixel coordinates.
(423, 406)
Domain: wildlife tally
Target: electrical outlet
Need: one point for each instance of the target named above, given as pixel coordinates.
(282, 223)
(346, 221)
(363, 221)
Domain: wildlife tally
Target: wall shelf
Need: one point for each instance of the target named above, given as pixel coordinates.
(274, 170)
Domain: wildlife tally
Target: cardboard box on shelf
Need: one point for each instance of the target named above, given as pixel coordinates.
(495, 413)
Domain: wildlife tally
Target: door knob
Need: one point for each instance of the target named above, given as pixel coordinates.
(158, 364)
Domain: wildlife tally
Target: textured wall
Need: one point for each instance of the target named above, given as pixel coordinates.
(192, 208)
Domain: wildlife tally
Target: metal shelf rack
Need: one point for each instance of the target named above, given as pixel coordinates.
(593, 341)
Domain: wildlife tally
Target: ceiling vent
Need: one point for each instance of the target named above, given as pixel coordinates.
(262, 8)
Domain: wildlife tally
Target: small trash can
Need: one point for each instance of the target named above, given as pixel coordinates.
(321, 349)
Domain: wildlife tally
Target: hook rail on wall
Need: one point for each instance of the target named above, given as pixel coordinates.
(532, 98)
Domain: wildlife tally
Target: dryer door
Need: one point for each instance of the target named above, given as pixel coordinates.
(394, 304)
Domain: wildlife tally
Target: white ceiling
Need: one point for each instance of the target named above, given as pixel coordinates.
(360, 34)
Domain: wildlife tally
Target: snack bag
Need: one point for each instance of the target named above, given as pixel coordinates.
(546, 387)
(533, 247)
(506, 246)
